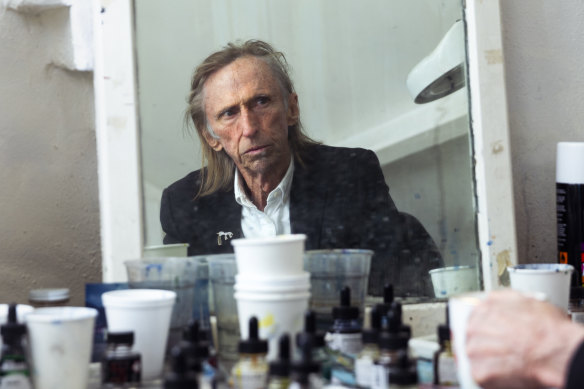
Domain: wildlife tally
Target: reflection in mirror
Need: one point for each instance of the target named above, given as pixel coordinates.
(349, 65)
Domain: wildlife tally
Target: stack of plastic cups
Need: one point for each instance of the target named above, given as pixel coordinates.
(271, 285)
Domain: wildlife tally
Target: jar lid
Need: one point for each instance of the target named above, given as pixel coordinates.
(52, 294)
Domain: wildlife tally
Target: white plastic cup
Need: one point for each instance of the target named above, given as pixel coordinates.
(280, 255)
(459, 310)
(551, 279)
(60, 341)
(147, 313)
(450, 281)
(277, 314)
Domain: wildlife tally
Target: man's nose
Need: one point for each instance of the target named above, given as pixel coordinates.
(248, 123)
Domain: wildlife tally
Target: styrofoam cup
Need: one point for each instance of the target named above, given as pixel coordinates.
(60, 342)
(280, 255)
(453, 280)
(279, 284)
(277, 314)
(147, 313)
(552, 279)
(459, 310)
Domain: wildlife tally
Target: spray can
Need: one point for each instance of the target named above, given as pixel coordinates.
(570, 207)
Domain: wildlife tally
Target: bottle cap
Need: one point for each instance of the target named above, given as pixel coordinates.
(281, 366)
(49, 295)
(253, 344)
(120, 337)
(310, 334)
(345, 311)
(12, 331)
(404, 372)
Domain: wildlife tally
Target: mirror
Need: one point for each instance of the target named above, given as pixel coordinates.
(349, 64)
(374, 111)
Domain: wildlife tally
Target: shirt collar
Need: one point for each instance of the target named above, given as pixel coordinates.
(284, 187)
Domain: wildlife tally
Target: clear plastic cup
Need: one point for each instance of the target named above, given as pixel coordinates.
(222, 271)
(147, 313)
(453, 280)
(60, 341)
(330, 271)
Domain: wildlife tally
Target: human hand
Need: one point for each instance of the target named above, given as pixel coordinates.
(514, 341)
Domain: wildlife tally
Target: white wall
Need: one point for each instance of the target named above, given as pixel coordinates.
(544, 52)
(49, 212)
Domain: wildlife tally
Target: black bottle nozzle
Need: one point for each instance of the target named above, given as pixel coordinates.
(345, 311)
(281, 366)
(388, 294)
(253, 344)
(396, 307)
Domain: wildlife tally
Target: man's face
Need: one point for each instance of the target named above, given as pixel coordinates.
(245, 107)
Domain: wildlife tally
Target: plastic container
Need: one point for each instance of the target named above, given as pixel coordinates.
(222, 271)
(275, 256)
(187, 277)
(50, 297)
(147, 313)
(60, 341)
(552, 279)
(277, 314)
(330, 271)
(449, 281)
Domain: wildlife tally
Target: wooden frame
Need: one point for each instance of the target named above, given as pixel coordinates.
(119, 145)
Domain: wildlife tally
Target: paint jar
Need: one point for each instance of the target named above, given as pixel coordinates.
(52, 297)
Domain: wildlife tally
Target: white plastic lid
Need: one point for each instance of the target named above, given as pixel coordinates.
(138, 298)
(570, 163)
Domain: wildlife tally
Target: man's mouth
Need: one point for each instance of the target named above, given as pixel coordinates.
(256, 150)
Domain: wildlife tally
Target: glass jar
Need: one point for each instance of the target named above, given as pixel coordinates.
(53, 297)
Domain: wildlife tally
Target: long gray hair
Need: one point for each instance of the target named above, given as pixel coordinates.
(219, 170)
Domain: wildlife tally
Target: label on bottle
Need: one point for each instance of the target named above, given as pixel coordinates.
(570, 222)
(447, 370)
(351, 343)
(250, 380)
(15, 381)
(380, 377)
(364, 371)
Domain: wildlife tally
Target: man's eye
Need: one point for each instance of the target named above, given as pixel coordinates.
(227, 113)
(262, 100)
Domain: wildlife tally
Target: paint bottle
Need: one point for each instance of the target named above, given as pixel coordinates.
(14, 369)
(365, 361)
(279, 370)
(345, 333)
(391, 342)
(444, 363)
(316, 339)
(570, 207)
(251, 370)
(180, 377)
(305, 372)
(121, 365)
(403, 374)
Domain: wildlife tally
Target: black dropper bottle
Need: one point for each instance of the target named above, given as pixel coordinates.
(403, 374)
(391, 342)
(388, 296)
(252, 367)
(305, 372)
(346, 329)
(279, 370)
(195, 348)
(14, 370)
(396, 307)
(180, 377)
(365, 361)
(316, 339)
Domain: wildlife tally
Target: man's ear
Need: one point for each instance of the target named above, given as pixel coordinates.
(213, 142)
(293, 109)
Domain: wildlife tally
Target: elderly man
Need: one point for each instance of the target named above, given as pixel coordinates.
(265, 177)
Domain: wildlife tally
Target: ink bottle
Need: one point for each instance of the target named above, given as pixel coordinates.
(385, 306)
(365, 361)
(396, 307)
(14, 370)
(121, 366)
(403, 374)
(180, 377)
(444, 363)
(197, 350)
(391, 342)
(251, 370)
(345, 333)
(279, 370)
(316, 339)
(305, 372)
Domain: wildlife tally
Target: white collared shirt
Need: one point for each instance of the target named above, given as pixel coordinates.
(275, 219)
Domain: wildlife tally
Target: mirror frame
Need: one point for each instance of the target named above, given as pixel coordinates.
(118, 143)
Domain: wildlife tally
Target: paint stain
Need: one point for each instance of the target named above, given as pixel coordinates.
(497, 147)
(503, 261)
(494, 57)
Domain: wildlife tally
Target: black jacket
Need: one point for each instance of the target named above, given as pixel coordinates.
(339, 199)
